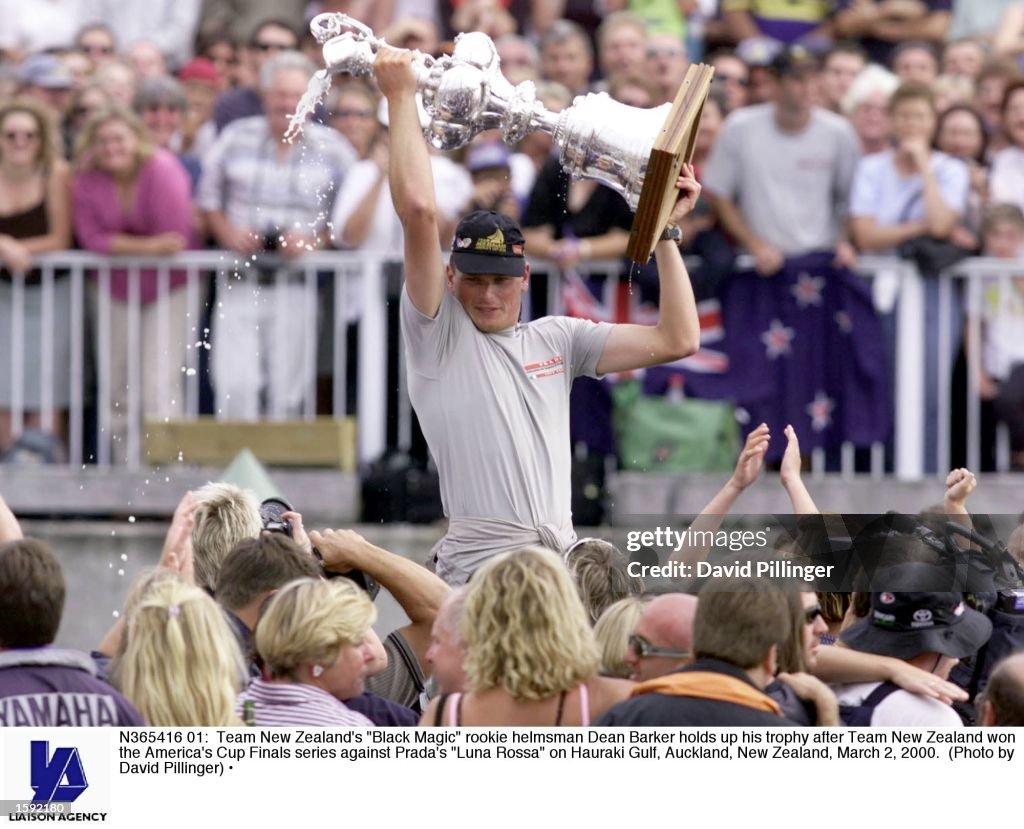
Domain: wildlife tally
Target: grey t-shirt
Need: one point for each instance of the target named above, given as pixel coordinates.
(792, 188)
(495, 411)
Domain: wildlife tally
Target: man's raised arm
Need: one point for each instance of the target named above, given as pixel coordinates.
(677, 333)
(412, 182)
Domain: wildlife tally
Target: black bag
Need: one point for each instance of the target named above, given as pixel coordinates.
(931, 254)
(588, 492)
(398, 488)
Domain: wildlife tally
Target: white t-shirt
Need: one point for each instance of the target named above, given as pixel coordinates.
(792, 188)
(900, 708)
(39, 25)
(881, 193)
(1006, 181)
(495, 411)
(1003, 314)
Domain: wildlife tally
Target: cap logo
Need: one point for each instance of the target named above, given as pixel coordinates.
(494, 243)
(959, 609)
(887, 598)
(463, 242)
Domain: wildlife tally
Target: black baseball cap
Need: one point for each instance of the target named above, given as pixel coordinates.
(489, 243)
(794, 60)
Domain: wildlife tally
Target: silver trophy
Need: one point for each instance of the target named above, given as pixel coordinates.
(464, 93)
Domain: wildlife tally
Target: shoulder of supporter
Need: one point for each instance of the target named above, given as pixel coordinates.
(954, 178)
(721, 175)
(326, 140)
(743, 117)
(902, 708)
(834, 121)
(164, 163)
(453, 184)
(870, 172)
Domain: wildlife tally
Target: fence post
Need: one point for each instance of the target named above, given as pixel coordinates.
(372, 377)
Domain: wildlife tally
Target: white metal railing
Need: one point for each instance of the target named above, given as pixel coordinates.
(92, 309)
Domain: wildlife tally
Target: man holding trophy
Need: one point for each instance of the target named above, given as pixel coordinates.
(491, 393)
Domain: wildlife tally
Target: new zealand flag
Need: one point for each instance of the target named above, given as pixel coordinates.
(803, 347)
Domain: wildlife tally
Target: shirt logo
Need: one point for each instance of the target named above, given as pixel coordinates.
(545, 368)
(494, 243)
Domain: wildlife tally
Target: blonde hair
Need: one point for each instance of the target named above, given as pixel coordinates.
(601, 573)
(84, 150)
(525, 628)
(612, 632)
(181, 664)
(308, 620)
(48, 152)
(224, 516)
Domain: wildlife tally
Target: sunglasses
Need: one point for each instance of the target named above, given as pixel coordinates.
(666, 52)
(811, 614)
(351, 113)
(642, 649)
(27, 135)
(263, 46)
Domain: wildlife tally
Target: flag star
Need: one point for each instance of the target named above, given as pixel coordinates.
(808, 289)
(777, 339)
(820, 410)
(843, 322)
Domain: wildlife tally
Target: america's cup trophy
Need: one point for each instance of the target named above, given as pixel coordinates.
(637, 152)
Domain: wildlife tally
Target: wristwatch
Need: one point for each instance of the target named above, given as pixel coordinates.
(671, 233)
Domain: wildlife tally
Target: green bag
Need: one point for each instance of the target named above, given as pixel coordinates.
(657, 434)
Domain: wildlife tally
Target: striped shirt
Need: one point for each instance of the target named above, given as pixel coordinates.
(295, 703)
(245, 178)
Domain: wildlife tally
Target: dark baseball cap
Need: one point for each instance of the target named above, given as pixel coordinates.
(911, 617)
(794, 60)
(489, 243)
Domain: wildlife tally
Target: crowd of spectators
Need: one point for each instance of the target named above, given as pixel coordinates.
(146, 129)
(242, 624)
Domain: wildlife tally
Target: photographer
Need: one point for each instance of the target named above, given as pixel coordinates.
(418, 591)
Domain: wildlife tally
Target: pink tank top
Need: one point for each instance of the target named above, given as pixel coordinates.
(454, 714)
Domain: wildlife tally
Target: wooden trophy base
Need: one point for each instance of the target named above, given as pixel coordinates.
(673, 147)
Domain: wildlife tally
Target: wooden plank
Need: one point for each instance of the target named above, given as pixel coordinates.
(321, 442)
(673, 146)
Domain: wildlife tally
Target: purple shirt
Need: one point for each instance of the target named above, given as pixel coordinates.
(162, 204)
(55, 687)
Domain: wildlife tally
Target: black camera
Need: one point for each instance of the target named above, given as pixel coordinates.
(272, 512)
(270, 240)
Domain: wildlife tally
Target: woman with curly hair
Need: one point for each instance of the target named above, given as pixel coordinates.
(531, 656)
